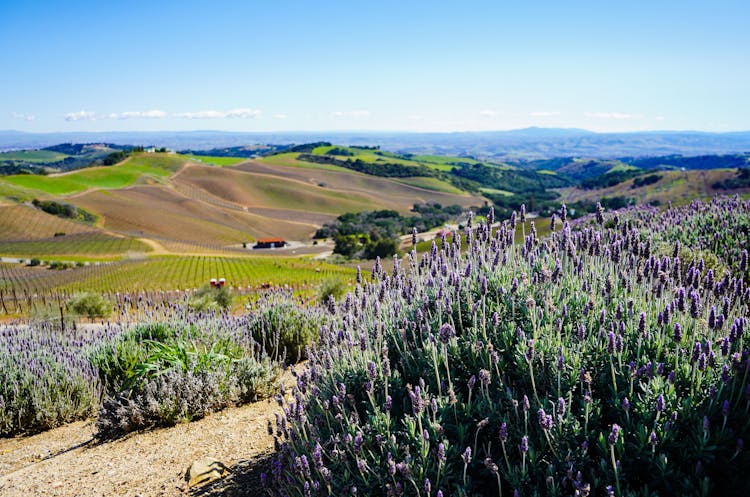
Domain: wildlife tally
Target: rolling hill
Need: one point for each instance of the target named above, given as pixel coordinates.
(678, 187)
(178, 204)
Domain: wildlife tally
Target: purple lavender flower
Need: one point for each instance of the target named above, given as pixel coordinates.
(466, 456)
(446, 333)
(614, 434)
(696, 352)
(545, 420)
(503, 432)
(441, 452)
(427, 486)
(417, 402)
(660, 403)
(677, 333)
(611, 343)
(524, 446)
(652, 439)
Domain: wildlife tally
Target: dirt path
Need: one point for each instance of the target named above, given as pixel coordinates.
(67, 462)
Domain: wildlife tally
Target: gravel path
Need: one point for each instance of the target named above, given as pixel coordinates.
(68, 462)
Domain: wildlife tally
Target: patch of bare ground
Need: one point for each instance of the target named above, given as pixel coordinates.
(68, 461)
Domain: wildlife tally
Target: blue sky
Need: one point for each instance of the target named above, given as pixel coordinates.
(386, 65)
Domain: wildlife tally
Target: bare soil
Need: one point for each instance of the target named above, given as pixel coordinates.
(67, 461)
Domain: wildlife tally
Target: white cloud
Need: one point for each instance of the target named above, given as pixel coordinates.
(545, 113)
(415, 117)
(488, 113)
(659, 118)
(148, 114)
(22, 117)
(217, 114)
(81, 115)
(280, 116)
(352, 113)
(612, 115)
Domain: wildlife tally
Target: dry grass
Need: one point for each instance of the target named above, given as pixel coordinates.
(678, 187)
(386, 192)
(162, 213)
(21, 222)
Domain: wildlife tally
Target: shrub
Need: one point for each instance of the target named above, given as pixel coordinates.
(45, 379)
(34, 262)
(331, 287)
(91, 305)
(285, 329)
(211, 298)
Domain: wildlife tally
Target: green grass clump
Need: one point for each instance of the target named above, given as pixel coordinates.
(166, 374)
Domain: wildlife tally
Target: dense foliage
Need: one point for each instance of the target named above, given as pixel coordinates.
(389, 223)
(372, 234)
(741, 180)
(598, 362)
(67, 211)
(384, 169)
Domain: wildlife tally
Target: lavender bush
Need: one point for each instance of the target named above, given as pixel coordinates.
(167, 373)
(183, 366)
(45, 378)
(587, 364)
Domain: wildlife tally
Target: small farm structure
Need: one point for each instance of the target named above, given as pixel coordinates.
(265, 243)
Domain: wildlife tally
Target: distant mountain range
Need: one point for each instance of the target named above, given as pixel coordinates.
(528, 143)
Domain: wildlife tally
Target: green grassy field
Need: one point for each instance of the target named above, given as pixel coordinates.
(290, 159)
(154, 166)
(33, 156)
(216, 161)
(433, 184)
(375, 156)
(622, 168)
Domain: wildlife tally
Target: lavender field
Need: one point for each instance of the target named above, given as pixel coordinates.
(608, 358)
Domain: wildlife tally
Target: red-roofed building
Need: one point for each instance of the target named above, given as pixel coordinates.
(264, 243)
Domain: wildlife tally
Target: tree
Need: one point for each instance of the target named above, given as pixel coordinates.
(385, 247)
(346, 245)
